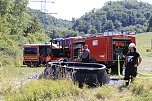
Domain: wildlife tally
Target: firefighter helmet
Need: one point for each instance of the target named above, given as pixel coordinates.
(49, 63)
(132, 45)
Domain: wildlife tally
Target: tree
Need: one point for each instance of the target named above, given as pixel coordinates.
(108, 25)
(34, 26)
(150, 25)
(117, 24)
(93, 31)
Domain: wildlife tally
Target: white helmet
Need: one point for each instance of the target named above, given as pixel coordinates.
(49, 63)
(132, 45)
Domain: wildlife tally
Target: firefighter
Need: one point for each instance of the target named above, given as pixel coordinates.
(133, 60)
(48, 58)
(85, 54)
(42, 59)
(50, 71)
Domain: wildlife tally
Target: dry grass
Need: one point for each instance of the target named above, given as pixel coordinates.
(64, 90)
(146, 65)
(143, 43)
(10, 75)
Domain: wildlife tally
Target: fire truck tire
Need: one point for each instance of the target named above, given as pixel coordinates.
(92, 60)
(65, 60)
(24, 63)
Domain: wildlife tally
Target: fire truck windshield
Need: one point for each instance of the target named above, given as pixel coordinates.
(67, 43)
(58, 43)
(30, 51)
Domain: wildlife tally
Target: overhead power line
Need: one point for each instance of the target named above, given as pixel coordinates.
(43, 8)
(43, 1)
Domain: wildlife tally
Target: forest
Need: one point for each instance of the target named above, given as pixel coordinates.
(129, 15)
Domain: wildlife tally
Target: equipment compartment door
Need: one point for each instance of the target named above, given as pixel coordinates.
(120, 47)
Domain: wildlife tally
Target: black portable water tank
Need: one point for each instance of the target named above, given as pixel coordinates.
(91, 74)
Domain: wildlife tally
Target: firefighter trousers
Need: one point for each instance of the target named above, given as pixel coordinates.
(130, 73)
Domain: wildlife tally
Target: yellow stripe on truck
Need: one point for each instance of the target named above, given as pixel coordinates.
(30, 58)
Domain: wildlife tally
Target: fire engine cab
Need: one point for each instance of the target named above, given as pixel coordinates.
(63, 50)
(36, 54)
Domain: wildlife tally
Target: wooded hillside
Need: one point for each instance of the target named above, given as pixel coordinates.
(116, 15)
(50, 22)
(17, 28)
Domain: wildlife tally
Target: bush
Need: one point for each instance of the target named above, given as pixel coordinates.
(38, 38)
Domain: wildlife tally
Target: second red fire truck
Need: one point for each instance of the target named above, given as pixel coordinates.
(103, 48)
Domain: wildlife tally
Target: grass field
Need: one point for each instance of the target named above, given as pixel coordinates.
(64, 90)
(143, 43)
(10, 75)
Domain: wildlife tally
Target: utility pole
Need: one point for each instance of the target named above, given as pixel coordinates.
(151, 44)
(43, 4)
(43, 9)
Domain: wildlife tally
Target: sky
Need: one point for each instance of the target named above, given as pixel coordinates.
(68, 9)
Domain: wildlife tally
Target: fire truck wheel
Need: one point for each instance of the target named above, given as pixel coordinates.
(92, 60)
(65, 60)
(24, 63)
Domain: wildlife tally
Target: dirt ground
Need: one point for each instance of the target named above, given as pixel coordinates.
(146, 65)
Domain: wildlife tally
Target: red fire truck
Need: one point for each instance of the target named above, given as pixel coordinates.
(63, 50)
(103, 48)
(36, 54)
